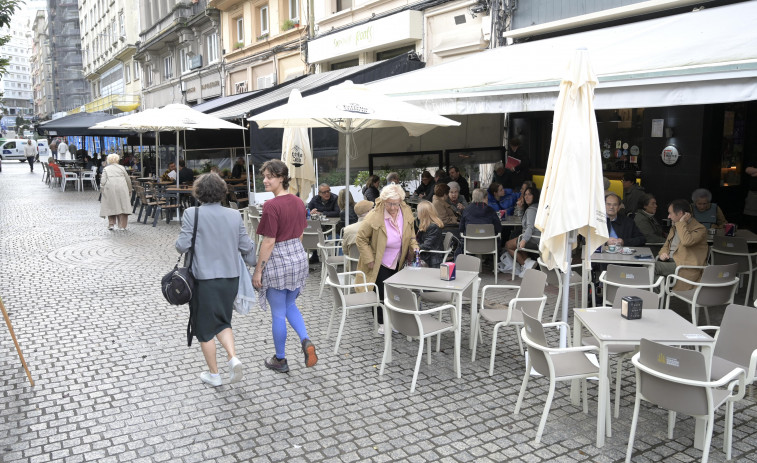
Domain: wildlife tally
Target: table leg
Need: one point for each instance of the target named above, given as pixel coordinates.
(604, 390)
(575, 385)
(458, 331)
(387, 334)
(473, 310)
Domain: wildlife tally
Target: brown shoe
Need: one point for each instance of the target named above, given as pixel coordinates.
(309, 349)
(277, 364)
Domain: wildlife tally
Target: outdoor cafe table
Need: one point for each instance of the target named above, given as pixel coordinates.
(610, 328)
(429, 279)
(747, 235)
(511, 221)
(605, 257)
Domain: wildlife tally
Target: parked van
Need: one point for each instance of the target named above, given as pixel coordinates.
(14, 149)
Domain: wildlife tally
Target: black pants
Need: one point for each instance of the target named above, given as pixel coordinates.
(30, 159)
(383, 274)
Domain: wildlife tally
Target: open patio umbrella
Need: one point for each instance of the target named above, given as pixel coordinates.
(174, 118)
(297, 155)
(572, 199)
(348, 108)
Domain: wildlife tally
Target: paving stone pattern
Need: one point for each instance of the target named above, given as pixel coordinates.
(117, 382)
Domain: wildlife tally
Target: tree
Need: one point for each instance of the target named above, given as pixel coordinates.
(7, 9)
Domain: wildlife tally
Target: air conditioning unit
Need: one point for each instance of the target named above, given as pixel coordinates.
(240, 87)
(265, 81)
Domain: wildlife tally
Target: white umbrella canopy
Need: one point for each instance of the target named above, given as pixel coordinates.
(172, 117)
(572, 198)
(297, 155)
(348, 108)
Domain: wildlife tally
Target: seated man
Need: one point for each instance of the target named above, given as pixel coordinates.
(186, 175)
(705, 211)
(623, 231)
(686, 245)
(170, 173)
(238, 169)
(324, 203)
(426, 189)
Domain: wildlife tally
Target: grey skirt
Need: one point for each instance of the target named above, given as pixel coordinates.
(212, 305)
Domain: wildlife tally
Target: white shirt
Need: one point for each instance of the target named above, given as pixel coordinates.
(63, 151)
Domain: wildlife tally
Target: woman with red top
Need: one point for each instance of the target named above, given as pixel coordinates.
(283, 263)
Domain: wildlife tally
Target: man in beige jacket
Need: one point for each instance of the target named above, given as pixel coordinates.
(686, 245)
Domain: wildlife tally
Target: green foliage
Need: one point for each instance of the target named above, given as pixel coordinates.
(405, 174)
(207, 166)
(7, 9)
(288, 24)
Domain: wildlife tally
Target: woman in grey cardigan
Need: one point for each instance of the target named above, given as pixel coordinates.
(529, 238)
(221, 238)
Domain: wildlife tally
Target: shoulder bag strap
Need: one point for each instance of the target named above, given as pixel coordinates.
(194, 235)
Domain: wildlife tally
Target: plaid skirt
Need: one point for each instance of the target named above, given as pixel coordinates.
(287, 268)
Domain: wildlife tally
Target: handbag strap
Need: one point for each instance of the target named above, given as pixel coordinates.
(194, 235)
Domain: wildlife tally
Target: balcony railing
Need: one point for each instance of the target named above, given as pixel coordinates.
(124, 102)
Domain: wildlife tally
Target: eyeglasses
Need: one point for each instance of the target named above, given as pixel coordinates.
(324, 192)
(388, 204)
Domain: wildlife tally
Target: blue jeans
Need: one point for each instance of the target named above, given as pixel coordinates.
(283, 309)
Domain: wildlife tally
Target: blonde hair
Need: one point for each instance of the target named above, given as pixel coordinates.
(113, 158)
(392, 191)
(426, 215)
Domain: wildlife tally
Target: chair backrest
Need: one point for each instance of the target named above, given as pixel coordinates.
(736, 340)
(649, 299)
(480, 245)
(403, 299)
(533, 284)
(677, 362)
(468, 264)
(730, 244)
(620, 275)
(310, 235)
(535, 333)
(252, 210)
(333, 279)
(708, 296)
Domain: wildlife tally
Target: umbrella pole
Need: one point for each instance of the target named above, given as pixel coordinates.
(177, 159)
(141, 156)
(247, 169)
(254, 187)
(347, 140)
(157, 154)
(570, 238)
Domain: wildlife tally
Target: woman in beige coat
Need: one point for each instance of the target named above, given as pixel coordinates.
(385, 240)
(115, 185)
(444, 209)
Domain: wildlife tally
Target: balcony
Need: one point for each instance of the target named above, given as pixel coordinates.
(124, 102)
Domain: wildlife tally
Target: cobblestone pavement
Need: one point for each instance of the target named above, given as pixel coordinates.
(116, 381)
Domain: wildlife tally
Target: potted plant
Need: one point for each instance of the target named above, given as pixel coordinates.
(289, 24)
(263, 36)
(238, 45)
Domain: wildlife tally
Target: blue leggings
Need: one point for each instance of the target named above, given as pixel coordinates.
(283, 308)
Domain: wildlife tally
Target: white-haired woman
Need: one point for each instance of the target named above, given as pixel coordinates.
(115, 185)
(455, 199)
(386, 239)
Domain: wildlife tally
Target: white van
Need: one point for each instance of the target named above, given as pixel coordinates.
(14, 149)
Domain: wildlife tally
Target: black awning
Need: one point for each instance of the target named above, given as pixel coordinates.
(79, 124)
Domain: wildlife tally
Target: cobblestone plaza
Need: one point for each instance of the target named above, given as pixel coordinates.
(115, 380)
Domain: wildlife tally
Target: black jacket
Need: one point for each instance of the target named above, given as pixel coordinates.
(627, 230)
(186, 175)
(329, 208)
(464, 188)
(370, 193)
(479, 213)
(426, 191)
(431, 239)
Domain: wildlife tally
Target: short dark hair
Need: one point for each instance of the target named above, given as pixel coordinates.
(209, 188)
(515, 141)
(441, 189)
(277, 168)
(644, 201)
(680, 205)
(454, 167)
(494, 187)
(426, 174)
(182, 163)
(629, 177)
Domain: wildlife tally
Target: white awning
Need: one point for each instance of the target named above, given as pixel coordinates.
(700, 57)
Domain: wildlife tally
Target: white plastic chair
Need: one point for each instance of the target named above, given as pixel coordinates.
(68, 177)
(717, 286)
(91, 176)
(555, 278)
(732, 249)
(626, 276)
(327, 251)
(676, 379)
(535, 252)
(481, 239)
(347, 301)
(446, 247)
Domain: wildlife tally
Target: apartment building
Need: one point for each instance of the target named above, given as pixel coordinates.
(69, 87)
(179, 52)
(16, 83)
(41, 68)
(109, 34)
(262, 42)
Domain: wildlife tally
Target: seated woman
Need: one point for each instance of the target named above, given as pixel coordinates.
(478, 212)
(705, 211)
(55, 167)
(444, 210)
(456, 200)
(430, 236)
(371, 188)
(529, 237)
(345, 210)
(646, 221)
(501, 198)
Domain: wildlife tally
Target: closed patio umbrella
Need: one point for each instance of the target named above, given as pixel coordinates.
(348, 108)
(572, 199)
(297, 155)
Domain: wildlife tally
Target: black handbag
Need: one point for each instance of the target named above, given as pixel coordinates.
(178, 284)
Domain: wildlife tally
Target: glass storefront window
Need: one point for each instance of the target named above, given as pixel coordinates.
(732, 155)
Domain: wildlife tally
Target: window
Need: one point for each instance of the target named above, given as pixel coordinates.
(148, 75)
(212, 47)
(344, 64)
(127, 73)
(240, 30)
(136, 70)
(263, 20)
(184, 60)
(168, 67)
(294, 9)
(113, 31)
(121, 24)
(343, 5)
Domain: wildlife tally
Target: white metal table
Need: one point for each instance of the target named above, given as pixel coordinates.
(428, 279)
(609, 328)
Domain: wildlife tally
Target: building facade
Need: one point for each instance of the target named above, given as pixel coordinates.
(109, 34)
(41, 64)
(16, 84)
(179, 52)
(262, 42)
(69, 87)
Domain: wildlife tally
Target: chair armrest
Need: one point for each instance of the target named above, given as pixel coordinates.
(701, 267)
(736, 373)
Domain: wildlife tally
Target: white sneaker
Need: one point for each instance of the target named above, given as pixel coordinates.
(529, 263)
(236, 371)
(381, 329)
(208, 379)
